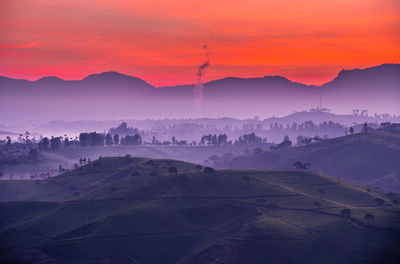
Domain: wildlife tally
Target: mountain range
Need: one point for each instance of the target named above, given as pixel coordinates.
(115, 95)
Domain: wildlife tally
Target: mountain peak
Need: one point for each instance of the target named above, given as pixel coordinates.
(116, 78)
(111, 75)
(384, 72)
(49, 79)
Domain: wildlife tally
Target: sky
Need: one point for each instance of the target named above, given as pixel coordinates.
(161, 41)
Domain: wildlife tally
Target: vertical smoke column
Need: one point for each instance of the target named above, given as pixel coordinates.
(198, 89)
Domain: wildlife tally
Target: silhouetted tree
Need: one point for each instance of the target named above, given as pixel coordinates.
(300, 165)
(132, 140)
(365, 128)
(44, 144)
(369, 217)
(379, 201)
(109, 139)
(208, 170)
(258, 151)
(346, 213)
(135, 174)
(55, 143)
(116, 139)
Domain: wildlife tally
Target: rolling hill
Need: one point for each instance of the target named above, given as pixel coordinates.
(367, 159)
(131, 210)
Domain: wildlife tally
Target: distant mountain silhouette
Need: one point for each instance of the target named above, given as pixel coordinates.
(376, 88)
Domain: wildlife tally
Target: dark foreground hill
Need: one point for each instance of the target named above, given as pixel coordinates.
(131, 210)
(368, 159)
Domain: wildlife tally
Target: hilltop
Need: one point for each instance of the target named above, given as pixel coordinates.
(137, 212)
(368, 159)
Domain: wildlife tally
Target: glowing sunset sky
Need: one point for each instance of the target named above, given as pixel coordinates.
(160, 41)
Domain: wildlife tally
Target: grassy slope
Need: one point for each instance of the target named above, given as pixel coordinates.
(367, 159)
(226, 217)
(67, 157)
(82, 180)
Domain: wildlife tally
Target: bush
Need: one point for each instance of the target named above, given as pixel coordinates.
(369, 217)
(379, 201)
(173, 170)
(317, 204)
(346, 213)
(209, 170)
(135, 174)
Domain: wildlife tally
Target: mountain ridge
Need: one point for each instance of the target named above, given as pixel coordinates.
(342, 73)
(117, 95)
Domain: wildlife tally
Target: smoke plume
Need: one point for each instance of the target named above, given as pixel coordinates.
(198, 89)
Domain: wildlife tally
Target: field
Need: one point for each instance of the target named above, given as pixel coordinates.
(132, 210)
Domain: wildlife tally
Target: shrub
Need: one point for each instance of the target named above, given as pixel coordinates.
(209, 170)
(369, 217)
(317, 204)
(346, 213)
(379, 201)
(135, 174)
(173, 170)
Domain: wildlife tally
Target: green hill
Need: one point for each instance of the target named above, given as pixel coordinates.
(368, 159)
(139, 213)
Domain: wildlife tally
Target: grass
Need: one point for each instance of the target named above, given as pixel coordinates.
(366, 159)
(230, 216)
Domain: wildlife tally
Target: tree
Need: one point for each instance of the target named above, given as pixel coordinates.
(8, 140)
(258, 151)
(379, 201)
(44, 144)
(299, 140)
(131, 140)
(55, 143)
(173, 171)
(116, 139)
(300, 165)
(208, 170)
(109, 139)
(66, 141)
(285, 143)
(369, 217)
(84, 139)
(346, 213)
(365, 128)
(135, 174)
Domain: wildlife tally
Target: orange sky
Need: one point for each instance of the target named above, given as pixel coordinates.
(161, 41)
